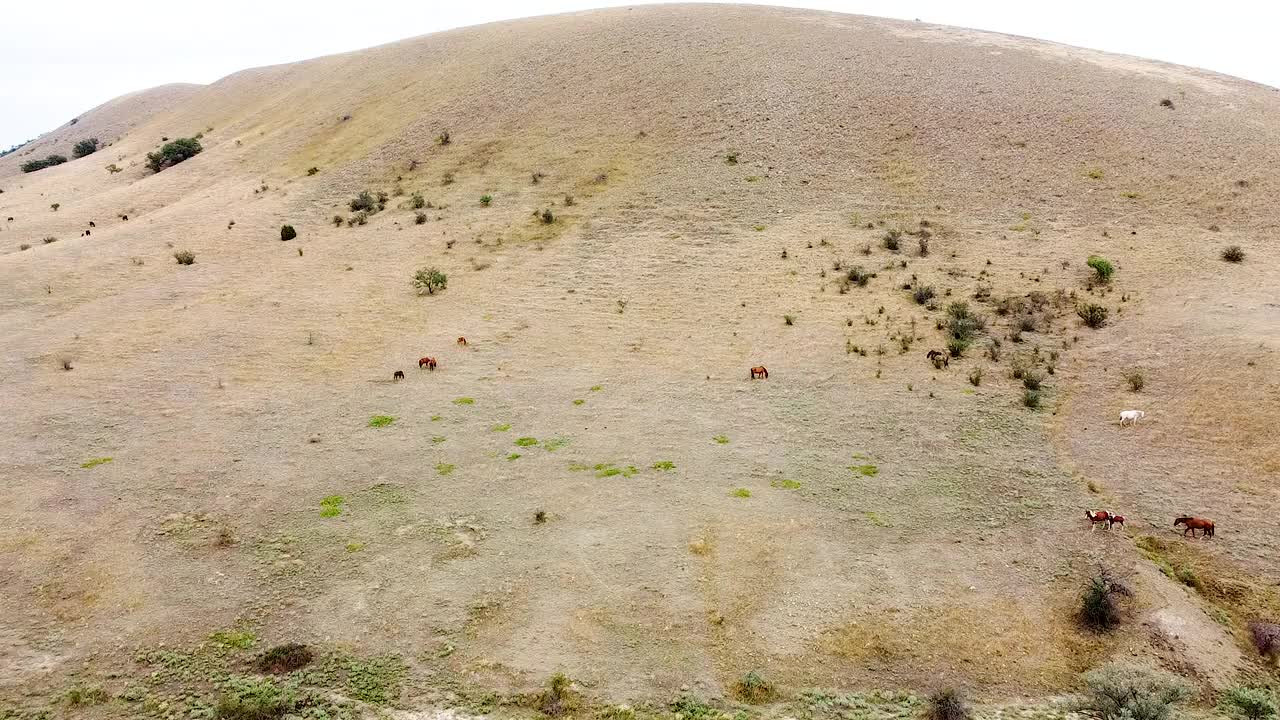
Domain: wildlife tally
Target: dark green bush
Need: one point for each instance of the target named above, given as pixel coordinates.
(1248, 703)
(284, 658)
(559, 698)
(1099, 609)
(923, 294)
(547, 217)
(184, 257)
(1031, 399)
(419, 218)
(430, 279)
(287, 232)
(1120, 692)
(85, 147)
(34, 165)
(1093, 314)
(1102, 268)
(172, 153)
(312, 171)
(417, 202)
(364, 200)
(892, 240)
(1233, 253)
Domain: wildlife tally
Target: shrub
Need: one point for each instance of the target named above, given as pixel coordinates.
(54, 207)
(1248, 703)
(1166, 103)
(962, 323)
(485, 200)
(419, 218)
(731, 157)
(430, 279)
(547, 217)
(417, 202)
(1266, 638)
(447, 179)
(789, 319)
(365, 201)
(84, 148)
(172, 153)
(1093, 314)
(287, 232)
(48, 239)
(184, 257)
(284, 658)
(1136, 379)
(924, 246)
(559, 698)
(34, 165)
(975, 376)
(539, 517)
(338, 220)
(753, 688)
(92, 695)
(1032, 380)
(1233, 253)
(948, 704)
(1031, 399)
(892, 240)
(359, 218)
(312, 171)
(254, 699)
(923, 294)
(1098, 607)
(957, 346)
(443, 138)
(24, 246)
(113, 169)
(1122, 692)
(1102, 268)
(858, 276)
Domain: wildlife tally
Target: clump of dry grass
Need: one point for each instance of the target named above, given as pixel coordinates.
(754, 688)
(948, 704)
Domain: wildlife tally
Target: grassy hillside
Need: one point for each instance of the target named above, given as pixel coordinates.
(633, 207)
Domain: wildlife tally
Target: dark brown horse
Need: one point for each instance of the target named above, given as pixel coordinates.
(427, 362)
(1115, 520)
(1193, 524)
(397, 375)
(462, 341)
(759, 371)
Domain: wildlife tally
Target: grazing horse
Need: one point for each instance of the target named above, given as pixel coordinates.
(1193, 524)
(759, 371)
(427, 362)
(91, 224)
(462, 341)
(397, 375)
(938, 358)
(1097, 517)
(1115, 520)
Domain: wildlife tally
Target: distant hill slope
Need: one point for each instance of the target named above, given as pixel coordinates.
(108, 122)
(634, 207)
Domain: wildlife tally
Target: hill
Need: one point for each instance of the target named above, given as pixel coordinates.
(208, 460)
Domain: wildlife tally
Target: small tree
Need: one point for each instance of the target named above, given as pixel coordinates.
(1122, 692)
(417, 202)
(1102, 268)
(287, 232)
(1093, 314)
(85, 147)
(547, 217)
(174, 152)
(184, 257)
(1098, 607)
(430, 279)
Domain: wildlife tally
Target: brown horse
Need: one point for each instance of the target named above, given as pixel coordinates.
(1193, 524)
(397, 375)
(1115, 520)
(1097, 517)
(427, 362)
(760, 372)
(462, 341)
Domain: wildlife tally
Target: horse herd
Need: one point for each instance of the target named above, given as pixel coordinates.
(424, 362)
(1190, 524)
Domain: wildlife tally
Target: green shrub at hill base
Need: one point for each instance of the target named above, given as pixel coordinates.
(34, 165)
(173, 153)
(85, 147)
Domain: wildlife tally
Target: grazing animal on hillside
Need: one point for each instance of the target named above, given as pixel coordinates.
(87, 233)
(1097, 517)
(91, 224)
(759, 371)
(1115, 520)
(397, 375)
(427, 362)
(939, 358)
(1193, 524)
(124, 217)
(1131, 417)
(462, 341)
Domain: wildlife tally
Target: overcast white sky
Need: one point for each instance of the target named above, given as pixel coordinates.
(62, 58)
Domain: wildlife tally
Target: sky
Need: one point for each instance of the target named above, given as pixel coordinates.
(59, 60)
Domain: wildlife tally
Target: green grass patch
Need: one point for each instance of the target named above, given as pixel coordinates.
(785, 484)
(444, 468)
(867, 470)
(331, 506)
(355, 547)
(758, 228)
(721, 439)
(501, 428)
(554, 444)
(526, 441)
(578, 467)
(741, 492)
(664, 465)
(578, 401)
(381, 420)
(438, 438)
(95, 462)
(514, 456)
(234, 639)
(877, 519)
(464, 401)
(376, 680)
(437, 418)
(597, 388)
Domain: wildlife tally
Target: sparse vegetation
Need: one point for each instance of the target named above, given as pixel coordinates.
(172, 153)
(948, 704)
(486, 200)
(49, 239)
(559, 698)
(1102, 268)
(312, 171)
(664, 465)
(789, 319)
(331, 506)
(378, 421)
(892, 240)
(364, 201)
(419, 218)
(1093, 314)
(430, 279)
(741, 492)
(184, 257)
(34, 165)
(1099, 609)
(1136, 380)
(54, 207)
(284, 658)
(84, 148)
(287, 232)
(1031, 399)
(1123, 692)
(923, 294)
(91, 695)
(94, 462)
(547, 217)
(753, 688)
(1266, 638)
(1233, 253)
(975, 376)
(1248, 703)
